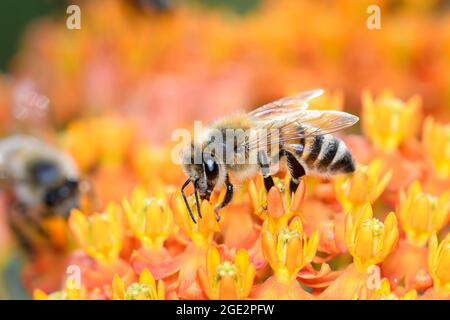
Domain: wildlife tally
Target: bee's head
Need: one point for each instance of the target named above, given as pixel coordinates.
(59, 194)
(204, 173)
(63, 197)
(206, 183)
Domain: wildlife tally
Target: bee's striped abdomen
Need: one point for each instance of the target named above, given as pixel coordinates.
(315, 148)
(344, 163)
(326, 154)
(300, 145)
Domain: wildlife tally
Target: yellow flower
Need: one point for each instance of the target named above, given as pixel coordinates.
(227, 280)
(368, 239)
(287, 249)
(100, 234)
(115, 136)
(145, 289)
(79, 142)
(201, 233)
(90, 140)
(439, 263)
(388, 121)
(436, 142)
(69, 292)
(421, 214)
(366, 184)
(278, 203)
(383, 292)
(150, 166)
(150, 219)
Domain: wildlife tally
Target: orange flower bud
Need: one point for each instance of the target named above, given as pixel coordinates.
(439, 263)
(201, 233)
(369, 240)
(100, 235)
(366, 184)
(227, 280)
(421, 214)
(400, 120)
(145, 289)
(286, 248)
(436, 141)
(150, 219)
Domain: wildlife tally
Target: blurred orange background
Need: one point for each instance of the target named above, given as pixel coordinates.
(112, 92)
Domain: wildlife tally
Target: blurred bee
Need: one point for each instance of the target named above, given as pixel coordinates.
(285, 129)
(40, 182)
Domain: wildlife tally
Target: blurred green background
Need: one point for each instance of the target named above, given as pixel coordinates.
(16, 15)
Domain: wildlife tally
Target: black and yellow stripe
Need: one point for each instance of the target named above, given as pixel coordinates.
(322, 154)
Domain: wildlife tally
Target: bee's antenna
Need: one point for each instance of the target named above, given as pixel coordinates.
(185, 199)
(197, 201)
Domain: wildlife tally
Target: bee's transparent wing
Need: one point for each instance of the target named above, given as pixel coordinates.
(287, 120)
(285, 105)
(297, 124)
(314, 122)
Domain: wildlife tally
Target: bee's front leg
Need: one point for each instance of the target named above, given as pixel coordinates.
(226, 199)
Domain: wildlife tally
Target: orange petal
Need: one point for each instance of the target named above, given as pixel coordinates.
(298, 197)
(227, 288)
(118, 288)
(275, 205)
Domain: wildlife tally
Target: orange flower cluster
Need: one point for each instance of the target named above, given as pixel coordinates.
(128, 59)
(369, 235)
(379, 233)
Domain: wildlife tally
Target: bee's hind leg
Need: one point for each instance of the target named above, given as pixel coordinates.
(265, 170)
(226, 199)
(295, 169)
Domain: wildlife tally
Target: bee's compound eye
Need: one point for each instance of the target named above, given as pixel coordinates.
(71, 184)
(211, 167)
(44, 172)
(68, 188)
(51, 198)
(56, 195)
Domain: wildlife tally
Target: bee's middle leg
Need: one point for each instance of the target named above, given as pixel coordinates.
(295, 169)
(265, 170)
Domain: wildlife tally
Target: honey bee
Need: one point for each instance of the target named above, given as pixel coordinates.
(40, 182)
(241, 145)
